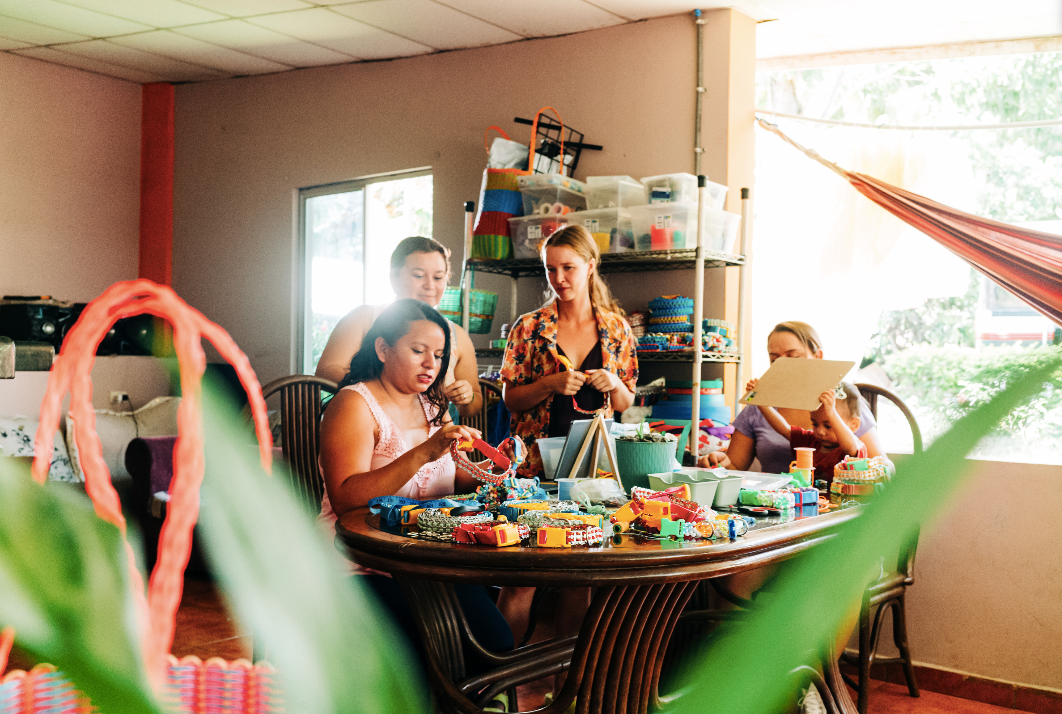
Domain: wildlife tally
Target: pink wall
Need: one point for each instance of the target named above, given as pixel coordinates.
(70, 184)
(244, 147)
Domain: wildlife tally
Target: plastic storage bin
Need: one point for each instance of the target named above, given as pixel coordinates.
(542, 193)
(610, 227)
(614, 192)
(670, 188)
(720, 230)
(529, 231)
(702, 484)
(663, 226)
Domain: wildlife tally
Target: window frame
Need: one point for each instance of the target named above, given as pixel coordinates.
(302, 304)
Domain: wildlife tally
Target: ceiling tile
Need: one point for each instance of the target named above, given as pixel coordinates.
(156, 13)
(340, 33)
(265, 43)
(74, 19)
(244, 8)
(427, 22)
(776, 39)
(642, 9)
(35, 34)
(873, 37)
(172, 70)
(9, 44)
(89, 64)
(532, 18)
(189, 49)
(979, 10)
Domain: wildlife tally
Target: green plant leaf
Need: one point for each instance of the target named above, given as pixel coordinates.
(64, 588)
(746, 669)
(333, 650)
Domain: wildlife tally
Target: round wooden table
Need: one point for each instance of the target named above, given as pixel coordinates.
(642, 586)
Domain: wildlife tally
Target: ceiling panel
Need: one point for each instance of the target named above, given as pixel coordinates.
(262, 42)
(776, 39)
(1016, 27)
(62, 16)
(89, 64)
(243, 8)
(342, 34)
(539, 18)
(427, 22)
(191, 50)
(35, 34)
(156, 13)
(111, 53)
(9, 44)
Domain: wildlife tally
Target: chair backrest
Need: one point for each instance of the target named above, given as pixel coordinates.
(872, 392)
(300, 428)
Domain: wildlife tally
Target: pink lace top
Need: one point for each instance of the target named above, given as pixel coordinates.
(434, 479)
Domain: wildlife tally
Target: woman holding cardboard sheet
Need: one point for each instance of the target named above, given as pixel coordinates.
(755, 438)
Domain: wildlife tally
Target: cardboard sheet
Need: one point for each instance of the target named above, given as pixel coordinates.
(796, 383)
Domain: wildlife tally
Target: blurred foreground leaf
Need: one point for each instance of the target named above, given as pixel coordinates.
(746, 668)
(64, 588)
(333, 650)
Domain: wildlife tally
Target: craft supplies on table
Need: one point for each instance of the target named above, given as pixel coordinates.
(611, 228)
(530, 231)
(543, 193)
(664, 226)
(614, 191)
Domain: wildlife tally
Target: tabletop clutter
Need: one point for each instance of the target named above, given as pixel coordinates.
(621, 213)
(683, 504)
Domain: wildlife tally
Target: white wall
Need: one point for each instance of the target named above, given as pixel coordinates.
(245, 146)
(70, 180)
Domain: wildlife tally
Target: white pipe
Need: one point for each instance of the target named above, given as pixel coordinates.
(466, 277)
(742, 321)
(698, 314)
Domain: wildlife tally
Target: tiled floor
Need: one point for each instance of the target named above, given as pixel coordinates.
(205, 629)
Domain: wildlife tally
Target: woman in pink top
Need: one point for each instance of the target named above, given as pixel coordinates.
(386, 432)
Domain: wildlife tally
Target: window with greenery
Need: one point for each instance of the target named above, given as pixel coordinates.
(949, 354)
(348, 231)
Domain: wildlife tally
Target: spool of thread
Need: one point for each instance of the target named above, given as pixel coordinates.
(803, 457)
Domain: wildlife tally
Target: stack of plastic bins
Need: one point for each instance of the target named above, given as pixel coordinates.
(614, 192)
(678, 188)
(663, 226)
(551, 193)
(720, 230)
(529, 231)
(610, 227)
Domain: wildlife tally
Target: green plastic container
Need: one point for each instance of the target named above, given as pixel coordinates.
(637, 459)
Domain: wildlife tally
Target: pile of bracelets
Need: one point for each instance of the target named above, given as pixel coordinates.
(538, 519)
(437, 523)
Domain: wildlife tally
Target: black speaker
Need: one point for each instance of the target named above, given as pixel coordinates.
(37, 319)
(129, 336)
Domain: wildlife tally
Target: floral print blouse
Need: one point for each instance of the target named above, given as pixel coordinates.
(531, 354)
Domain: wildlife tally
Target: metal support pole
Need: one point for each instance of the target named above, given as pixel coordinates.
(513, 313)
(697, 148)
(466, 274)
(743, 305)
(698, 313)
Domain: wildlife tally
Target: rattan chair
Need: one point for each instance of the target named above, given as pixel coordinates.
(300, 429)
(887, 592)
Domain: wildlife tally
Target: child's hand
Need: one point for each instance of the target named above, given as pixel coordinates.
(828, 399)
(751, 385)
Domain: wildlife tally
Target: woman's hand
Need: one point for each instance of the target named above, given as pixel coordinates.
(460, 392)
(438, 444)
(603, 380)
(566, 382)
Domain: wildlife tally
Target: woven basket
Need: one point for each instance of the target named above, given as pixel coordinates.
(189, 685)
(481, 306)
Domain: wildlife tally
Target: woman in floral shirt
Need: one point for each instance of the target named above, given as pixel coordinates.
(584, 324)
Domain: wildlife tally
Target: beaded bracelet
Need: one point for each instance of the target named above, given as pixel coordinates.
(439, 520)
(477, 471)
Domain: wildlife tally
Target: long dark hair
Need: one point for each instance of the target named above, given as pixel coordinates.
(392, 324)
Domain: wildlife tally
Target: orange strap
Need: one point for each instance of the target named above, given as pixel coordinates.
(486, 134)
(534, 133)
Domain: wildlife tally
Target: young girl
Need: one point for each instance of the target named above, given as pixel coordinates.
(832, 434)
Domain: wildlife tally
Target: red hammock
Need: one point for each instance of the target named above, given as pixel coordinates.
(1028, 263)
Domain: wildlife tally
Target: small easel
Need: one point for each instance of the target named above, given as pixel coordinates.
(597, 432)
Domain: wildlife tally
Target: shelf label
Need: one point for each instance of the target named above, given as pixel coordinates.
(591, 224)
(663, 221)
(534, 232)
